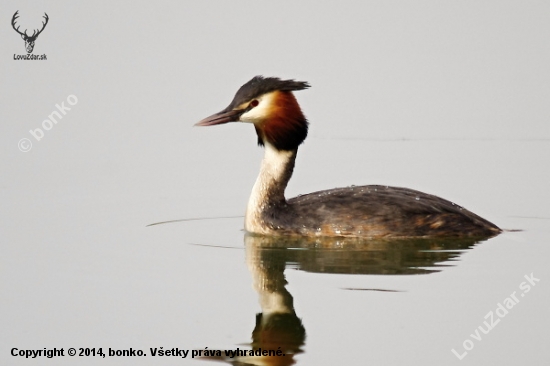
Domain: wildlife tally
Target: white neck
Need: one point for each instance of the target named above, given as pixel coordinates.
(269, 189)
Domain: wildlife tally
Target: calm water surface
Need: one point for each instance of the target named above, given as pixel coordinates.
(449, 98)
(81, 268)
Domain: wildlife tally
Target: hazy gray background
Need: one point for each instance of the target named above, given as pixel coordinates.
(465, 83)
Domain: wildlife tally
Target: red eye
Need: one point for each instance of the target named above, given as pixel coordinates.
(254, 103)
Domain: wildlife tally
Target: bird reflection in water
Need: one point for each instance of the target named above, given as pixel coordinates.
(278, 327)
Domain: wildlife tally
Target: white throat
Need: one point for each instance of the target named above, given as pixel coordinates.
(269, 189)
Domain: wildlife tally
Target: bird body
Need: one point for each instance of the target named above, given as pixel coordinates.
(358, 211)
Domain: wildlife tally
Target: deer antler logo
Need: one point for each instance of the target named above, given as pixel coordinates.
(29, 40)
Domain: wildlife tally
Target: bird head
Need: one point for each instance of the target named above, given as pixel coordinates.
(270, 105)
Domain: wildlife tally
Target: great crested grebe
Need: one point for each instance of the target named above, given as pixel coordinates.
(358, 211)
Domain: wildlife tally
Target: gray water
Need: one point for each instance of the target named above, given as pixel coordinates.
(437, 98)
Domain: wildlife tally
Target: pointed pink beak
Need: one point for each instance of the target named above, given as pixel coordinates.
(221, 117)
